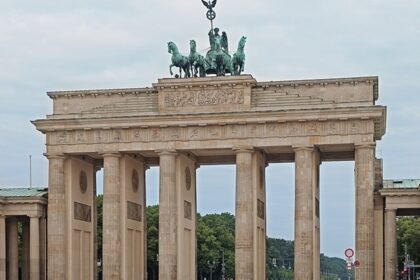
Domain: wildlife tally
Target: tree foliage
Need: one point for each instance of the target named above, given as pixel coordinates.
(408, 235)
(216, 238)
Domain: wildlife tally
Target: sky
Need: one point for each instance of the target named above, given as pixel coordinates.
(48, 45)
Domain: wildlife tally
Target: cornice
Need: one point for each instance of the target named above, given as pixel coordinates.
(400, 192)
(217, 81)
(23, 200)
(343, 114)
(371, 80)
(99, 92)
(231, 81)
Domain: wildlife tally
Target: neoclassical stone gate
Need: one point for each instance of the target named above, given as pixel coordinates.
(180, 124)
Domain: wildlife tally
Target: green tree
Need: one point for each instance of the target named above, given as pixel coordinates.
(408, 234)
(152, 216)
(215, 238)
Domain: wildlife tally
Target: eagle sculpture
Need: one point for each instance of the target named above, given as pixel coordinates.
(210, 5)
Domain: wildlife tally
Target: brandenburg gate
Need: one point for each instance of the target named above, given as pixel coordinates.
(180, 124)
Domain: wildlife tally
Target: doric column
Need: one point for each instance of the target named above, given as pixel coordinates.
(56, 219)
(43, 247)
(304, 203)
(167, 216)
(244, 215)
(390, 244)
(112, 218)
(25, 258)
(365, 183)
(2, 247)
(12, 250)
(34, 248)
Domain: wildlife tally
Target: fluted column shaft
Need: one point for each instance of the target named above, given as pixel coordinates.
(390, 244)
(112, 218)
(167, 216)
(304, 201)
(244, 215)
(365, 184)
(2, 247)
(56, 219)
(12, 250)
(34, 248)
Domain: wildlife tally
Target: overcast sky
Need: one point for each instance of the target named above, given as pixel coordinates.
(64, 45)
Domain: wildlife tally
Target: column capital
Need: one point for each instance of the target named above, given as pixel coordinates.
(365, 145)
(166, 152)
(54, 156)
(34, 215)
(298, 148)
(243, 149)
(110, 154)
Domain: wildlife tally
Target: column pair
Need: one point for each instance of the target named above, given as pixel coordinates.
(307, 211)
(250, 212)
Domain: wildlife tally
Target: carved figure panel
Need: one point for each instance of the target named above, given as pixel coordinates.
(134, 211)
(82, 212)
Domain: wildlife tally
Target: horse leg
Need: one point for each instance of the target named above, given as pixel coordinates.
(170, 69)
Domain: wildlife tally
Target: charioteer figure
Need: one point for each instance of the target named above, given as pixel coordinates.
(217, 61)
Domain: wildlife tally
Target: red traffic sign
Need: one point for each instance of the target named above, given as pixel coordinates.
(356, 263)
(349, 253)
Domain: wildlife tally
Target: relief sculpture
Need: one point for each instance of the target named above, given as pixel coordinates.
(204, 98)
(82, 212)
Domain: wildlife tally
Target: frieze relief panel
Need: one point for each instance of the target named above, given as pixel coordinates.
(198, 133)
(204, 97)
(82, 212)
(134, 211)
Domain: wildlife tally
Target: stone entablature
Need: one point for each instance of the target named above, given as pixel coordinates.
(215, 113)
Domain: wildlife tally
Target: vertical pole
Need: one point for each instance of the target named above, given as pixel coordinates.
(30, 171)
